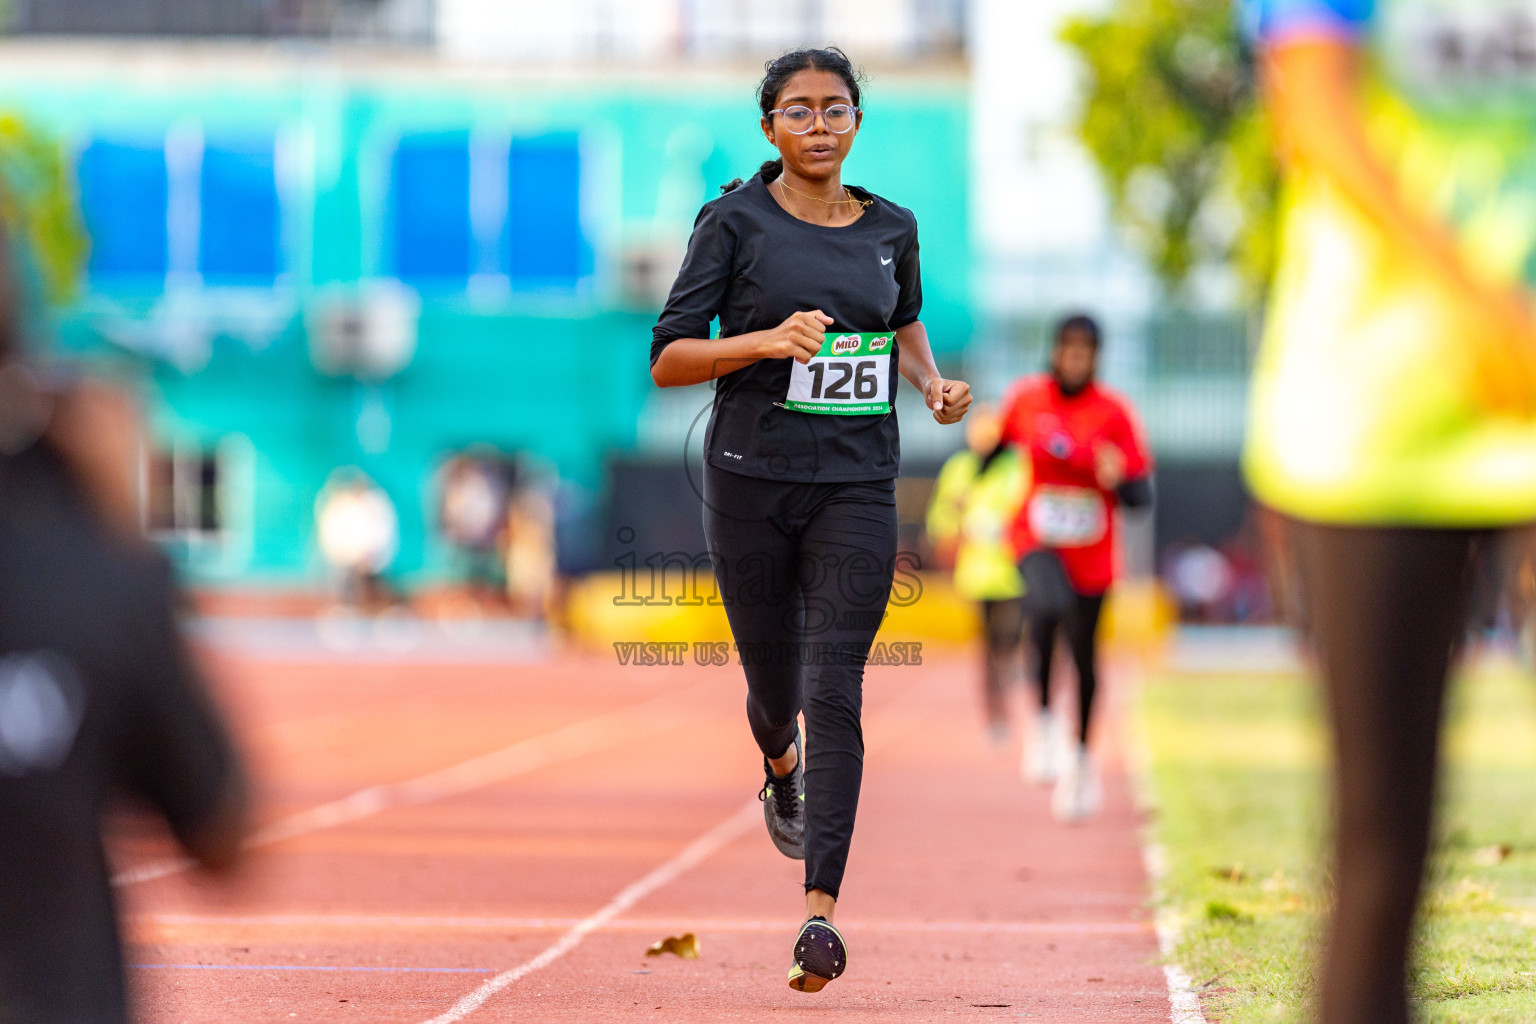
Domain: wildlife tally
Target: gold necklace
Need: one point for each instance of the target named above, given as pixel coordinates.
(864, 204)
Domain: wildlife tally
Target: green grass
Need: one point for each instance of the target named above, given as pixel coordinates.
(1238, 770)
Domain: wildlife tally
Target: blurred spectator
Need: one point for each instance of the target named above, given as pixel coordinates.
(1201, 579)
(473, 506)
(1230, 583)
(1248, 598)
(359, 536)
(530, 548)
(497, 512)
(99, 696)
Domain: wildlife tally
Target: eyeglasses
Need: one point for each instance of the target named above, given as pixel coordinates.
(838, 118)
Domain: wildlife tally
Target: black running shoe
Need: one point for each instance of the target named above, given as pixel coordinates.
(784, 805)
(820, 956)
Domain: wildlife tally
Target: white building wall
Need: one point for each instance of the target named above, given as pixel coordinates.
(880, 26)
(1041, 222)
(557, 30)
(554, 31)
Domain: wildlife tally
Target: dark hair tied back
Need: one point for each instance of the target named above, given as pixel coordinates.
(776, 75)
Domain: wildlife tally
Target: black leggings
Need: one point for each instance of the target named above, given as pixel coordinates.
(1002, 626)
(805, 571)
(1385, 608)
(1081, 624)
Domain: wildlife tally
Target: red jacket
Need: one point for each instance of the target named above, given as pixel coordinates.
(1066, 510)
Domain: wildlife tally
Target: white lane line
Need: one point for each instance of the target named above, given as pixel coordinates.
(628, 924)
(1183, 1000)
(749, 814)
(565, 744)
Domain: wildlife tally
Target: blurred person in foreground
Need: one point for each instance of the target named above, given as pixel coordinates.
(1393, 417)
(976, 496)
(1086, 458)
(99, 698)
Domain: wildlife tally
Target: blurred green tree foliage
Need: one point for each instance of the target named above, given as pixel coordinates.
(40, 208)
(1171, 115)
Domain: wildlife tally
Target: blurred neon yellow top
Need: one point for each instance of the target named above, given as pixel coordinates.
(1378, 398)
(977, 511)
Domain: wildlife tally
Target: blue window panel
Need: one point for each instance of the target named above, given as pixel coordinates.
(544, 243)
(239, 229)
(430, 198)
(124, 192)
(1268, 18)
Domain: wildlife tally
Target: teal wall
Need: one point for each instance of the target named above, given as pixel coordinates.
(562, 375)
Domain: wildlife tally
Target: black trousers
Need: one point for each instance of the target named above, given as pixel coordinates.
(1080, 623)
(805, 571)
(1385, 607)
(1054, 607)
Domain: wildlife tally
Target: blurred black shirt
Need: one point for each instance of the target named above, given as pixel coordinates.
(97, 699)
(752, 264)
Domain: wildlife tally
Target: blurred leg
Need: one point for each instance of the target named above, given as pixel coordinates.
(1082, 628)
(1386, 607)
(1001, 628)
(1042, 642)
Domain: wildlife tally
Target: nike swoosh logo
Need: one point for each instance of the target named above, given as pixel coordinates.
(884, 262)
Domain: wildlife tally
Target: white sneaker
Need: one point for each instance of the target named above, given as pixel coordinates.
(1079, 794)
(1043, 750)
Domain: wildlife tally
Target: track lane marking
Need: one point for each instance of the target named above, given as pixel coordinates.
(567, 743)
(629, 924)
(1183, 998)
(306, 967)
(692, 855)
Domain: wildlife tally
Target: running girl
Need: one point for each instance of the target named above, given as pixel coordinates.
(817, 289)
(1086, 456)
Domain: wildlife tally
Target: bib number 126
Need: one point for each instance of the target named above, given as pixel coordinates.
(850, 376)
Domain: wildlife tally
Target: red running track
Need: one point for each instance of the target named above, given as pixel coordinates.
(488, 892)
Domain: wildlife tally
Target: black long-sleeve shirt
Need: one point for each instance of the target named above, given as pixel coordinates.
(752, 264)
(98, 697)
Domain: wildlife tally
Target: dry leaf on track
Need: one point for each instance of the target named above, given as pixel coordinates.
(685, 946)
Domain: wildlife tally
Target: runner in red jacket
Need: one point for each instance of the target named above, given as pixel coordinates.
(1086, 457)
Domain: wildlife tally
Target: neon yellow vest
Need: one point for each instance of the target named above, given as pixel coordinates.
(977, 511)
(1379, 397)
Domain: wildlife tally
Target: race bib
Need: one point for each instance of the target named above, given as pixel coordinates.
(1067, 517)
(850, 376)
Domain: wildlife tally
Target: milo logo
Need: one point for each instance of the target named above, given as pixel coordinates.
(878, 344)
(846, 344)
